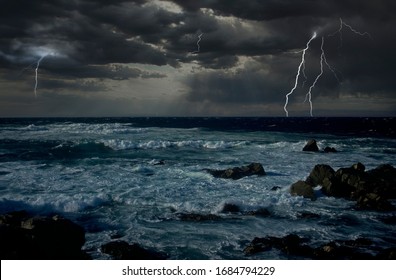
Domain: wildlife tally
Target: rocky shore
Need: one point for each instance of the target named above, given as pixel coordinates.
(372, 189)
(27, 236)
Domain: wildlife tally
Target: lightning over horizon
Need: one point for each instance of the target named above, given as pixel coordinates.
(36, 71)
(309, 94)
(298, 73)
(323, 60)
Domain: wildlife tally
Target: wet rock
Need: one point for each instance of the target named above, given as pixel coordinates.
(294, 246)
(344, 250)
(239, 172)
(311, 146)
(304, 189)
(230, 208)
(359, 167)
(261, 212)
(308, 215)
(121, 250)
(275, 188)
(196, 217)
(371, 189)
(383, 180)
(235, 209)
(387, 254)
(291, 244)
(330, 150)
(318, 175)
(373, 201)
(23, 236)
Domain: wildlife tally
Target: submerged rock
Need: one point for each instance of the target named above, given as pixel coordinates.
(290, 244)
(238, 172)
(311, 146)
(121, 250)
(387, 254)
(230, 208)
(294, 246)
(23, 236)
(196, 217)
(261, 212)
(330, 150)
(308, 215)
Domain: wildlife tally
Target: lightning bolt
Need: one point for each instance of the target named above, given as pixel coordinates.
(198, 46)
(342, 24)
(298, 73)
(36, 71)
(309, 94)
(323, 61)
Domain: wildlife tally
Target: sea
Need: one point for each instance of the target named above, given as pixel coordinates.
(132, 179)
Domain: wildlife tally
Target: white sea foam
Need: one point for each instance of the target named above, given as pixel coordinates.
(113, 184)
(117, 144)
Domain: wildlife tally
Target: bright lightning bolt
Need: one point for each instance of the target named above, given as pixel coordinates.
(198, 46)
(36, 71)
(323, 60)
(309, 94)
(298, 73)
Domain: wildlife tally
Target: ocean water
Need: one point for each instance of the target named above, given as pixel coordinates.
(104, 174)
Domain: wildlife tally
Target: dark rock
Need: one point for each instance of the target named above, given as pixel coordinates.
(261, 212)
(196, 217)
(311, 146)
(308, 215)
(345, 182)
(371, 189)
(238, 172)
(387, 254)
(121, 250)
(291, 244)
(230, 208)
(359, 167)
(328, 251)
(275, 188)
(302, 188)
(318, 175)
(358, 242)
(258, 245)
(330, 150)
(27, 237)
(335, 251)
(383, 180)
(373, 201)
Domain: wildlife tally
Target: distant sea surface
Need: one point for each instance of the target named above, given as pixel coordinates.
(132, 178)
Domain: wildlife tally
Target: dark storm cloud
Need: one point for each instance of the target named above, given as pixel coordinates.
(87, 39)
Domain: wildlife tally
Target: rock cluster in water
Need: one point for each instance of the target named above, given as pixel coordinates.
(236, 173)
(312, 146)
(293, 245)
(122, 250)
(23, 236)
(371, 189)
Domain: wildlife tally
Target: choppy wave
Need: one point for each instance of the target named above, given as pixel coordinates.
(117, 144)
(139, 179)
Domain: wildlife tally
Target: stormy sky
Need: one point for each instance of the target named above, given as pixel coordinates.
(143, 58)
